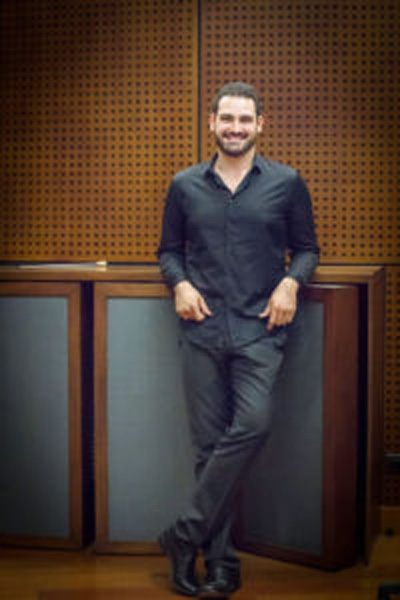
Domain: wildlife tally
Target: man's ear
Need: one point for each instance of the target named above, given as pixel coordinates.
(211, 121)
(260, 123)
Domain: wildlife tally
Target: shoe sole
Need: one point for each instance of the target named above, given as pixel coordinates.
(213, 596)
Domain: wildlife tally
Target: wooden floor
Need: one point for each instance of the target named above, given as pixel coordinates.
(55, 575)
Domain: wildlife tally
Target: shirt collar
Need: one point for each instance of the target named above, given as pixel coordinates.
(257, 166)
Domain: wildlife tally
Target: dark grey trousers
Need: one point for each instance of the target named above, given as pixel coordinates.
(229, 400)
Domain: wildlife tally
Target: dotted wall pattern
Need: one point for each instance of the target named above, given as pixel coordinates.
(329, 74)
(99, 109)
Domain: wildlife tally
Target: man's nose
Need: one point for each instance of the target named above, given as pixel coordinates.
(236, 125)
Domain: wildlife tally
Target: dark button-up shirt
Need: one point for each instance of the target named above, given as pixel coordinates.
(233, 246)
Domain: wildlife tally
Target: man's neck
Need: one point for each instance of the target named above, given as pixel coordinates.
(233, 169)
(234, 165)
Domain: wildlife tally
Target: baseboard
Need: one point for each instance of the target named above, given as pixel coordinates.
(390, 519)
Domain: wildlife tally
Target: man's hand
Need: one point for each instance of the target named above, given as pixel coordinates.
(282, 304)
(189, 303)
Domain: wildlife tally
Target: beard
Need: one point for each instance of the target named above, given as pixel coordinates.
(239, 150)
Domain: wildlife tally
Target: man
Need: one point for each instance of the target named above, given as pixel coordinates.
(228, 226)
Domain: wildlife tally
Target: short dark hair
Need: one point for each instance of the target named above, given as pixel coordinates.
(240, 89)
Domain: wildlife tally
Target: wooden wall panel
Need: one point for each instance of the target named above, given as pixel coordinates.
(392, 381)
(99, 105)
(329, 74)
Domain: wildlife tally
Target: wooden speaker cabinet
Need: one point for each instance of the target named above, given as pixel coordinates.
(40, 414)
(299, 501)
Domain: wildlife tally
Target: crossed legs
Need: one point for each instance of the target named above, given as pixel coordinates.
(229, 397)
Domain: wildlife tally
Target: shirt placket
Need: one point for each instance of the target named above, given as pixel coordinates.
(230, 336)
(229, 209)
(232, 324)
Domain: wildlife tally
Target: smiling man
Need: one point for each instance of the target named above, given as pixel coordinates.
(228, 227)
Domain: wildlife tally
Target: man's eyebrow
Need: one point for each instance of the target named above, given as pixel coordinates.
(241, 116)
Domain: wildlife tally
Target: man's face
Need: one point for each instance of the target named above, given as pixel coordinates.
(236, 125)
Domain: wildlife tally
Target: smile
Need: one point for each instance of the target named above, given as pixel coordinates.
(235, 138)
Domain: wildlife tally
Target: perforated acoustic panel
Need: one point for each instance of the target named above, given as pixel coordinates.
(98, 102)
(329, 73)
(99, 108)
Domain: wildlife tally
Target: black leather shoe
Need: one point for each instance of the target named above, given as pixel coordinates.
(183, 559)
(221, 581)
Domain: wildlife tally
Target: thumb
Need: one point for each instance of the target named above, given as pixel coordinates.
(204, 307)
(266, 312)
